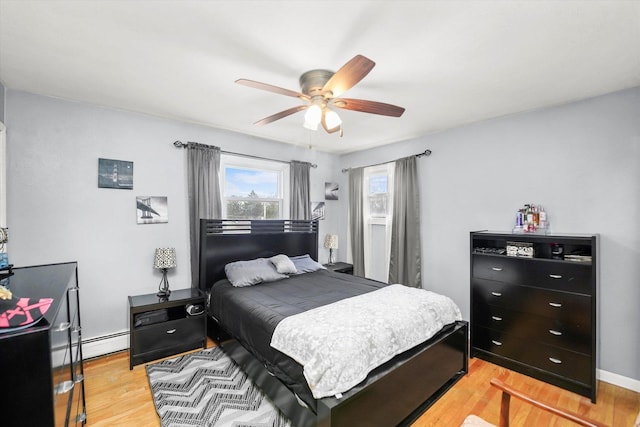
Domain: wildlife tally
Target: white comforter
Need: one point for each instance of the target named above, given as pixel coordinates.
(340, 343)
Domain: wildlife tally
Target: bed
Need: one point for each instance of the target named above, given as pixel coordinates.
(395, 393)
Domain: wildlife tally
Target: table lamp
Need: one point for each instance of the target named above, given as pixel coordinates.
(164, 260)
(331, 242)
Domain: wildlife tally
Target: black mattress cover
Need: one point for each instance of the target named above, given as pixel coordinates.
(250, 314)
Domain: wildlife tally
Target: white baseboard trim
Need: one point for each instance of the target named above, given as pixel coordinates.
(619, 380)
(99, 346)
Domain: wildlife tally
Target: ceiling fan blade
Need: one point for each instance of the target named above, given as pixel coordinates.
(272, 88)
(350, 74)
(280, 115)
(369, 107)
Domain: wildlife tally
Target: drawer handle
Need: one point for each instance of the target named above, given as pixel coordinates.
(82, 417)
(79, 379)
(556, 276)
(556, 361)
(64, 387)
(496, 294)
(555, 304)
(554, 332)
(496, 268)
(496, 318)
(496, 342)
(171, 331)
(63, 326)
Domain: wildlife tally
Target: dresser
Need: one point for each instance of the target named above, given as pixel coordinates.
(533, 306)
(41, 365)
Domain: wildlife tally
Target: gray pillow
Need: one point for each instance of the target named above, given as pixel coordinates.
(283, 264)
(247, 273)
(305, 264)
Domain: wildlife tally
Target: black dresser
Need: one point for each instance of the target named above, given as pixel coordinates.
(41, 365)
(533, 306)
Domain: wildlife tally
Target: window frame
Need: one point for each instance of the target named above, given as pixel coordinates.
(282, 169)
(387, 170)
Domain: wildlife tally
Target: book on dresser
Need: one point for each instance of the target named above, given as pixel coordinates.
(534, 310)
(42, 369)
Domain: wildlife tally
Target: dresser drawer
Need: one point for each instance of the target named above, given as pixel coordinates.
(168, 334)
(572, 332)
(526, 299)
(558, 275)
(559, 361)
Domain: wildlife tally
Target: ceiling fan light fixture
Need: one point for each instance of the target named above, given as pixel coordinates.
(319, 91)
(312, 117)
(332, 119)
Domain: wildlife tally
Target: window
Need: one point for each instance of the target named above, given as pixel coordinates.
(377, 200)
(254, 189)
(378, 195)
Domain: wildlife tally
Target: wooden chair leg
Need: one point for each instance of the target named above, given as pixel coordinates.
(504, 409)
(507, 392)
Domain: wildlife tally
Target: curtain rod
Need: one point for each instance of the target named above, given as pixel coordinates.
(180, 144)
(426, 152)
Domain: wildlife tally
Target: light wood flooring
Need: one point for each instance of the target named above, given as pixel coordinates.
(117, 396)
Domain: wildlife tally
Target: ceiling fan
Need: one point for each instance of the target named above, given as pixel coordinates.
(320, 90)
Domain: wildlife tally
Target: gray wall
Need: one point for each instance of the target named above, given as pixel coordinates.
(581, 161)
(56, 212)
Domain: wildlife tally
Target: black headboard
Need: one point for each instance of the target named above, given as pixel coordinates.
(223, 241)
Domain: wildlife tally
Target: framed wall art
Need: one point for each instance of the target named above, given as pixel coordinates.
(317, 210)
(331, 190)
(115, 174)
(151, 209)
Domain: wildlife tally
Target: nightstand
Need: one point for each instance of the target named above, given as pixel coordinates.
(161, 327)
(340, 267)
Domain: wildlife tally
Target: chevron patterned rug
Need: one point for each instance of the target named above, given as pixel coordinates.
(208, 389)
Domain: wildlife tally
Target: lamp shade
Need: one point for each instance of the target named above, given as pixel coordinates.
(331, 241)
(165, 258)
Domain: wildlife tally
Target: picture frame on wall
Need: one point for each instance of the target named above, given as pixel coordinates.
(152, 209)
(317, 210)
(331, 190)
(115, 174)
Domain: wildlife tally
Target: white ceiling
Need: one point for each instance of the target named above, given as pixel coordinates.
(448, 63)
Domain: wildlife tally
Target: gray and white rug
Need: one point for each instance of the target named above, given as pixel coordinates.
(208, 389)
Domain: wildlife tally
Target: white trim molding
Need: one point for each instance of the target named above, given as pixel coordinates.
(619, 380)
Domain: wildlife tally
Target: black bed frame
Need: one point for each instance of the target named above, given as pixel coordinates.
(396, 393)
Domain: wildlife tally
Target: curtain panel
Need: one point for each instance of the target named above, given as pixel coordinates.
(406, 258)
(356, 219)
(203, 171)
(300, 203)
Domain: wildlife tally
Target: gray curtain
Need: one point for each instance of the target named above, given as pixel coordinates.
(405, 261)
(300, 203)
(203, 170)
(356, 220)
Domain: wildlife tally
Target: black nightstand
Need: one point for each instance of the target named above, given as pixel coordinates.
(161, 327)
(340, 267)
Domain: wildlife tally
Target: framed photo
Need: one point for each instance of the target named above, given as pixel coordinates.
(317, 210)
(115, 174)
(151, 210)
(331, 191)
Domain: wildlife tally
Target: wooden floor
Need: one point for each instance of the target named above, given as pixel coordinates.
(117, 396)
